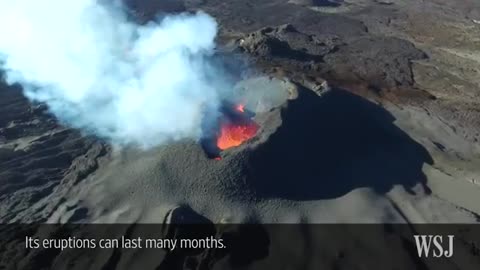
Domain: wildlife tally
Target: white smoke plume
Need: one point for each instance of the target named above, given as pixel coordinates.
(96, 70)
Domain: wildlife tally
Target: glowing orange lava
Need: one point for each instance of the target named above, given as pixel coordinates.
(240, 108)
(232, 135)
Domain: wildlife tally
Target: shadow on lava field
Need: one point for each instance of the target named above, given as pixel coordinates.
(329, 145)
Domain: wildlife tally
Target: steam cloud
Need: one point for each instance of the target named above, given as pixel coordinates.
(96, 70)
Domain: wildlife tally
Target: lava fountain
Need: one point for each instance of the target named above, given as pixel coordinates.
(234, 127)
(234, 133)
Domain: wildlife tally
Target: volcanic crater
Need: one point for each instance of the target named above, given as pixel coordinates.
(324, 145)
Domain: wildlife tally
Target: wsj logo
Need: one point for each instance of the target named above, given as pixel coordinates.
(434, 245)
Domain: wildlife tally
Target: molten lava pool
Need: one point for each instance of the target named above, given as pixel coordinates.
(232, 135)
(236, 130)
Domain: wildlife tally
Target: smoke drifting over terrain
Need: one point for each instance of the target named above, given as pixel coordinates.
(128, 83)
